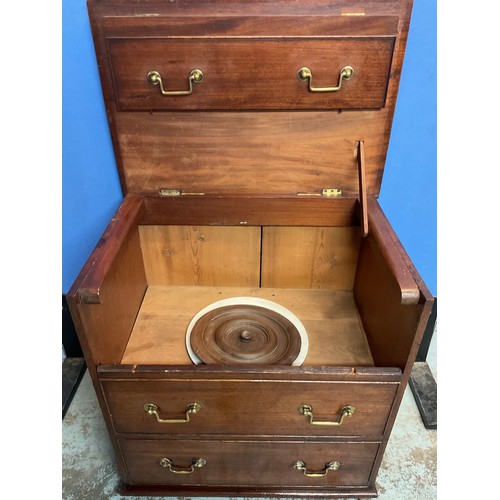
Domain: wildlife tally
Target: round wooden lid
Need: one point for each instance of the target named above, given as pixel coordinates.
(246, 333)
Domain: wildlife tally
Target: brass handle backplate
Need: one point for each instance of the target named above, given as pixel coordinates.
(152, 409)
(346, 73)
(196, 76)
(347, 411)
(332, 466)
(195, 464)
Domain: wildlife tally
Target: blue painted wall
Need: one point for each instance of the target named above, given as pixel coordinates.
(91, 190)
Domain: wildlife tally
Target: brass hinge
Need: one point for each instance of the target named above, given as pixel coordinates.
(166, 192)
(327, 193)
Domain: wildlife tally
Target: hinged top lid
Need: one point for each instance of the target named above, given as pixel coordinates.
(231, 98)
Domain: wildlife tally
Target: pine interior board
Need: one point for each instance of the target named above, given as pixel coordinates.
(201, 255)
(310, 257)
(330, 317)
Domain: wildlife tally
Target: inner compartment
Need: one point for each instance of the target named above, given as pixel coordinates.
(160, 262)
(308, 270)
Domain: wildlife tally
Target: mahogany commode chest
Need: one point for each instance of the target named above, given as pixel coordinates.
(250, 139)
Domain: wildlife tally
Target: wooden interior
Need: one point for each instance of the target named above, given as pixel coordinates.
(336, 336)
(309, 270)
(351, 293)
(310, 257)
(201, 255)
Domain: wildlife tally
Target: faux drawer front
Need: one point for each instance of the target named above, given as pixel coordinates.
(246, 463)
(228, 407)
(250, 73)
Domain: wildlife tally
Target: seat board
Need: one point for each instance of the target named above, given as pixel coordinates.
(330, 317)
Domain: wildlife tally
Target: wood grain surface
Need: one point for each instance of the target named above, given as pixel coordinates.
(362, 196)
(279, 24)
(234, 9)
(310, 257)
(391, 323)
(250, 74)
(87, 286)
(232, 407)
(108, 324)
(409, 290)
(330, 318)
(254, 211)
(201, 255)
(250, 153)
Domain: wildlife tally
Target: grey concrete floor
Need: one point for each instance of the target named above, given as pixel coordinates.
(408, 471)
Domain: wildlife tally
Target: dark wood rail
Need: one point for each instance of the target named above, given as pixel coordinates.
(87, 286)
(385, 238)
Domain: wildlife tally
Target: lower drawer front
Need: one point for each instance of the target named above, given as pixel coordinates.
(251, 408)
(248, 463)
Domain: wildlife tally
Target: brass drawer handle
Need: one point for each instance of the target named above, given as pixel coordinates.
(346, 73)
(152, 409)
(299, 465)
(347, 411)
(196, 76)
(195, 464)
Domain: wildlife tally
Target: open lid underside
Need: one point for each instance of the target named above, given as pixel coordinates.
(275, 150)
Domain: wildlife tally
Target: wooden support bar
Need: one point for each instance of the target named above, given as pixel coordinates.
(384, 237)
(226, 210)
(362, 187)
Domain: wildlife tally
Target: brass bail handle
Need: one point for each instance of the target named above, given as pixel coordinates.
(197, 463)
(347, 411)
(346, 73)
(332, 466)
(196, 76)
(152, 409)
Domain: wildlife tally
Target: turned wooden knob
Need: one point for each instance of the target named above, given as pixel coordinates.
(245, 336)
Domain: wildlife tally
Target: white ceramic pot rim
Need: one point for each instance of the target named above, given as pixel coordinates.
(251, 301)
